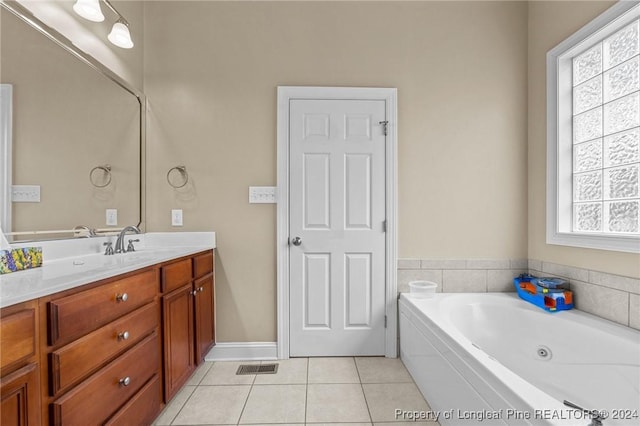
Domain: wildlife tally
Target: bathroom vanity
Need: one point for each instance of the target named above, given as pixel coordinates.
(111, 350)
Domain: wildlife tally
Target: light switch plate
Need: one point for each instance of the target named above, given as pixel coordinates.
(262, 194)
(112, 217)
(176, 217)
(25, 193)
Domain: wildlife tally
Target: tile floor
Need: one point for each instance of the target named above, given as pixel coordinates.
(358, 391)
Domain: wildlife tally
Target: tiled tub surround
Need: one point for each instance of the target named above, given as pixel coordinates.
(461, 275)
(612, 297)
(608, 296)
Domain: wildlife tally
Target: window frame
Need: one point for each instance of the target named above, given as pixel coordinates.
(560, 137)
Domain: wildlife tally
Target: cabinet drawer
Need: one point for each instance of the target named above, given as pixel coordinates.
(176, 275)
(17, 337)
(80, 313)
(97, 398)
(202, 264)
(74, 361)
(142, 408)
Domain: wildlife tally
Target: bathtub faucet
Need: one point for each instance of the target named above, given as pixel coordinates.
(596, 417)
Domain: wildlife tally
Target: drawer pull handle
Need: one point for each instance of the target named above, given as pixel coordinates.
(125, 382)
(122, 297)
(123, 336)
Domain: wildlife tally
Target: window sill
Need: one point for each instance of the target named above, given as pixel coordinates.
(629, 244)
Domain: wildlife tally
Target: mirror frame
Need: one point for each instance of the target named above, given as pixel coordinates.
(5, 139)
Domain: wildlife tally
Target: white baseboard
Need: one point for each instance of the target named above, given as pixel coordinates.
(243, 351)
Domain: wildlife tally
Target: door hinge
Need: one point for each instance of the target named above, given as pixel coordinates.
(384, 226)
(385, 321)
(384, 126)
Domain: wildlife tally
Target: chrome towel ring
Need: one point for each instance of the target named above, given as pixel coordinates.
(177, 176)
(106, 173)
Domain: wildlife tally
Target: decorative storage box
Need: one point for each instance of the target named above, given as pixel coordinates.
(20, 259)
(549, 294)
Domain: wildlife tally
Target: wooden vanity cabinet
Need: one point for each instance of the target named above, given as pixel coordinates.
(109, 352)
(103, 349)
(19, 367)
(188, 318)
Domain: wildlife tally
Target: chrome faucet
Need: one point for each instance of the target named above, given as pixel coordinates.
(120, 241)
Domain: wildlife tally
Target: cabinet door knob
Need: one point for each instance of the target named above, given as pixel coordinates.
(122, 297)
(200, 289)
(123, 336)
(125, 382)
(194, 292)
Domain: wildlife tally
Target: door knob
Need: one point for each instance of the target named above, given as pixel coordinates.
(296, 241)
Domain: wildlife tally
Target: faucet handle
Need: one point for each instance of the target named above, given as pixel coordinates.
(109, 248)
(130, 246)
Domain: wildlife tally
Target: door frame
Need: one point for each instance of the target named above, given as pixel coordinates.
(285, 95)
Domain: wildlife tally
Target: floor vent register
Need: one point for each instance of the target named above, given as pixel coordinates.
(257, 369)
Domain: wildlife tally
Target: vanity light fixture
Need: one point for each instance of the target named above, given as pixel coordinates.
(119, 35)
(89, 9)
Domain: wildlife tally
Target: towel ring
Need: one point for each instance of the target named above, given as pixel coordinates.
(182, 170)
(106, 170)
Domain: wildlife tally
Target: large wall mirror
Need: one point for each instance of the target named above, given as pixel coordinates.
(76, 133)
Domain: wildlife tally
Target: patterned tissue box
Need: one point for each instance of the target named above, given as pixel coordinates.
(20, 259)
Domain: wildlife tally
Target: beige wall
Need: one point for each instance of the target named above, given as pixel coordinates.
(211, 73)
(91, 37)
(549, 24)
(67, 119)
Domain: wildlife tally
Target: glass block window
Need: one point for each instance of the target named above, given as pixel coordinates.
(606, 134)
(593, 134)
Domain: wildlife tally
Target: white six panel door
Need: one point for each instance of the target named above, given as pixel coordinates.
(337, 210)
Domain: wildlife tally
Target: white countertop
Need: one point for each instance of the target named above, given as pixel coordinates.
(72, 263)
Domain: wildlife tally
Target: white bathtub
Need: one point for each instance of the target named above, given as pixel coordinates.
(479, 359)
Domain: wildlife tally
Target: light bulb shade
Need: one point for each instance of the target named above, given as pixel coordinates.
(89, 9)
(120, 36)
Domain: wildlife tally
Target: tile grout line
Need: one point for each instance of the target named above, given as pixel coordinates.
(364, 395)
(247, 399)
(244, 406)
(306, 392)
(183, 405)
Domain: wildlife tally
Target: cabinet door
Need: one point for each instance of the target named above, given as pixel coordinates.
(178, 332)
(205, 317)
(20, 397)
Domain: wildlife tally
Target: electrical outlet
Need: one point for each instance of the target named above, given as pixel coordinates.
(112, 217)
(176, 217)
(262, 194)
(25, 193)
